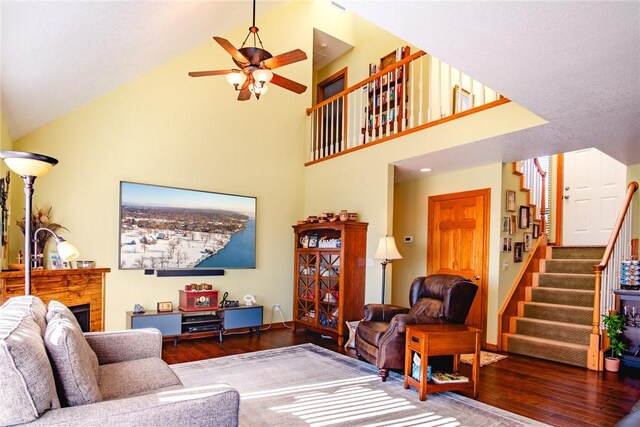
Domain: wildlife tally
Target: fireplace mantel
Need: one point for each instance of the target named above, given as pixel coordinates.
(70, 287)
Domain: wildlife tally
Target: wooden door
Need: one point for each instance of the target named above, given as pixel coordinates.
(594, 188)
(458, 238)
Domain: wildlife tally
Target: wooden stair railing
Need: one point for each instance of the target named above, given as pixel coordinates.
(596, 356)
(509, 310)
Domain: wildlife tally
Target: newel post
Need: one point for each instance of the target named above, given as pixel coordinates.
(594, 359)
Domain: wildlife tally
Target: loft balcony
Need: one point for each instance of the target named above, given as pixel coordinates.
(414, 92)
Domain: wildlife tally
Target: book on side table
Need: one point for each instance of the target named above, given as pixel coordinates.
(448, 378)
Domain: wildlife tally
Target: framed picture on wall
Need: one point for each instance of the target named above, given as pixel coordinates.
(511, 201)
(525, 215)
(512, 224)
(518, 249)
(462, 100)
(505, 224)
(536, 230)
(528, 241)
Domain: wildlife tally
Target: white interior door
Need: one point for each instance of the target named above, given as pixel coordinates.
(594, 187)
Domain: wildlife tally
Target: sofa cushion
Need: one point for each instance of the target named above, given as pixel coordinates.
(372, 331)
(427, 307)
(33, 306)
(26, 379)
(74, 362)
(57, 308)
(134, 377)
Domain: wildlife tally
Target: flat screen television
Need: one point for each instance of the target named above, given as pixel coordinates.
(166, 228)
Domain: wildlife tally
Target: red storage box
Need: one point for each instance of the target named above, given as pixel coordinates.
(198, 300)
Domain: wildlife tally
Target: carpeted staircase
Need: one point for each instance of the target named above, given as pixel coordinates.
(555, 320)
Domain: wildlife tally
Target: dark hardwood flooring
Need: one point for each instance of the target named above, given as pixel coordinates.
(553, 393)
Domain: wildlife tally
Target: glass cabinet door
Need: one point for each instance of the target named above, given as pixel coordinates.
(306, 288)
(329, 290)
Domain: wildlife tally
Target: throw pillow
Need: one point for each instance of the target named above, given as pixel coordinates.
(33, 306)
(26, 379)
(74, 362)
(56, 307)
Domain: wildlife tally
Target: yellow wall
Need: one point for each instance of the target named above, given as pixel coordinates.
(633, 174)
(169, 129)
(411, 201)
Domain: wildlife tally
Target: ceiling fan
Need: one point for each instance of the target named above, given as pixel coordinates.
(255, 66)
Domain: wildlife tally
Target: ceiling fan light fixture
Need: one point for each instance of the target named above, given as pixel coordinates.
(236, 78)
(262, 75)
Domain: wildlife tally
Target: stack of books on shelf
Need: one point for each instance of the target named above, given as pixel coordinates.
(415, 368)
(448, 378)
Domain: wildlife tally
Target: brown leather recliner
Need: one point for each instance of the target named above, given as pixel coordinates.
(439, 298)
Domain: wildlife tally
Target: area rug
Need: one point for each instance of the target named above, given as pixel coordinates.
(306, 385)
(486, 358)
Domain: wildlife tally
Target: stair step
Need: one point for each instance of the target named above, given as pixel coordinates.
(557, 331)
(578, 252)
(575, 297)
(578, 266)
(566, 281)
(559, 313)
(569, 353)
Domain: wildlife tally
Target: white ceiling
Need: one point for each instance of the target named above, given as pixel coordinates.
(576, 64)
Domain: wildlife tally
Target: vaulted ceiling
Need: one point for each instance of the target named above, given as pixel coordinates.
(576, 64)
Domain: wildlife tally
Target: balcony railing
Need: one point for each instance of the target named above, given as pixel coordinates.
(533, 179)
(414, 93)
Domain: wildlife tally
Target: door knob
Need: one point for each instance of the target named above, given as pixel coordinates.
(476, 277)
(566, 197)
(567, 188)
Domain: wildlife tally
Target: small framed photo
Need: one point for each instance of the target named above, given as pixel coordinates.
(512, 224)
(462, 100)
(55, 262)
(536, 230)
(313, 241)
(518, 249)
(66, 265)
(511, 201)
(528, 241)
(505, 224)
(525, 213)
(506, 244)
(165, 306)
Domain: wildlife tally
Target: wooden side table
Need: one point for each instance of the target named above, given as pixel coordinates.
(440, 340)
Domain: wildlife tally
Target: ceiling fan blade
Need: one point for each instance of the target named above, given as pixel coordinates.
(285, 59)
(211, 73)
(245, 92)
(284, 82)
(235, 53)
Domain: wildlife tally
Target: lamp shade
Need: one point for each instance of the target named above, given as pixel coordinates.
(262, 75)
(387, 249)
(67, 251)
(28, 164)
(236, 78)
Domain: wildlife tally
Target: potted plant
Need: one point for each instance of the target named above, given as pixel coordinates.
(613, 323)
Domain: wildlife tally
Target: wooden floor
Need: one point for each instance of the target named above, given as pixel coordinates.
(553, 393)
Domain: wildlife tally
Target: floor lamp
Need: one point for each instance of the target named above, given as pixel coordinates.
(28, 166)
(387, 252)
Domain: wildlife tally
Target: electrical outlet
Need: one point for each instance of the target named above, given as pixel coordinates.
(276, 307)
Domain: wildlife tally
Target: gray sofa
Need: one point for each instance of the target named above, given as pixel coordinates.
(53, 374)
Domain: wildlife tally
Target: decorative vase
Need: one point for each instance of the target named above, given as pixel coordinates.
(612, 364)
(344, 215)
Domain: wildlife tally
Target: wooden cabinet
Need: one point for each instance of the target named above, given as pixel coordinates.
(329, 276)
(388, 96)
